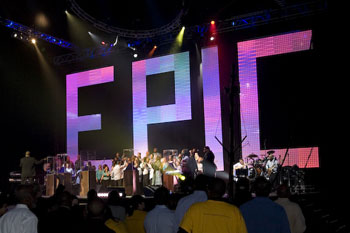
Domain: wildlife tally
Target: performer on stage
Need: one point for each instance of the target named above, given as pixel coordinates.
(271, 166)
(78, 164)
(156, 153)
(146, 167)
(240, 165)
(209, 167)
(157, 176)
(27, 165)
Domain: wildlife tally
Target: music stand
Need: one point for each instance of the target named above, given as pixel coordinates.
(242, 172)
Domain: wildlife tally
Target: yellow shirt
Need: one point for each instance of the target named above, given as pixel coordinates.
(118, 227)
(134, 223)
(213, 217)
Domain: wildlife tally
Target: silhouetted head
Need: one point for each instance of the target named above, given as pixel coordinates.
(114, 198)
(201, 182)
(24, 195)
(92, 194)
(283, 191)
(262, 187)
(216, 188)
(96, 208)
(161, 195)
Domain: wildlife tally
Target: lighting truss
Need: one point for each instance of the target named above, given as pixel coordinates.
(140, 38)
(126, 33)
(28, 32)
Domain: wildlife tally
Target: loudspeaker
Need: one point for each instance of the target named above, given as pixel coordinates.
(148, 190)
(87, 182)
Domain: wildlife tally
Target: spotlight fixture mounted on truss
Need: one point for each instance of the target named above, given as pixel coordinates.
(27, 32)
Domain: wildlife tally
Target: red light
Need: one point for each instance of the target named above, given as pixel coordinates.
(103, 43)
(212, 22)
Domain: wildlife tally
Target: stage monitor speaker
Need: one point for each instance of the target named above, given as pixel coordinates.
(149, 190)
(87, 182)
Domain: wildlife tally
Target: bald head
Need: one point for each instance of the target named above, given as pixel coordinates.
(96, 208)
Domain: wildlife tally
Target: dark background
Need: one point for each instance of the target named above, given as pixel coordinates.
(33, 99)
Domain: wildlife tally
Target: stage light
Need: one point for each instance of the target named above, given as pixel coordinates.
(103, 43)
(212, 38)
(182, 177)
(135, 55)
(15, 35)
(155, 46)
(102, 195)
(212, 22)
(33, 41)
(66, 12)
(176, 47)
(233, 23)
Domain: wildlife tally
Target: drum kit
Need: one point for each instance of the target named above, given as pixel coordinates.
(291, 175)
(256, 166)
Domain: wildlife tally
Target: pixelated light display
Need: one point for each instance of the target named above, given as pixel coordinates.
(212, 103)
(248, 51)
(75, 123)
(143, 115)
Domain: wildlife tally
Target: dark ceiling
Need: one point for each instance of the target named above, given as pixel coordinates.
(136, 14)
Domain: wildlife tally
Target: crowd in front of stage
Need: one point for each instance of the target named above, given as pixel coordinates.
(203, 208)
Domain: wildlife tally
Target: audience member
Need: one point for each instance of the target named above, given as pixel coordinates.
(20, 219)
(242, 194)
(199, 195)
(160, 219)
(63, 214)
(261, 214)
(114, 203)
(92, 194)
(3, 204)
(113, 224)
(96, 217)
(295, 215)
(136, 216)
(213, 215)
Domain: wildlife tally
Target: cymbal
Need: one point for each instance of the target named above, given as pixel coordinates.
(252, 156)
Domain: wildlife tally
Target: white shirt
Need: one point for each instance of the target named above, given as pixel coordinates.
(200, 167)
(19, 220)
(160, 220)
(117, 172)
(295, 215)
(146, 167)
(185, 203)
(238, 166)
(272, 163)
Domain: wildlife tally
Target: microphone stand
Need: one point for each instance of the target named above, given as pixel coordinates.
(230, 175)
(307, 161)
(279, 170)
